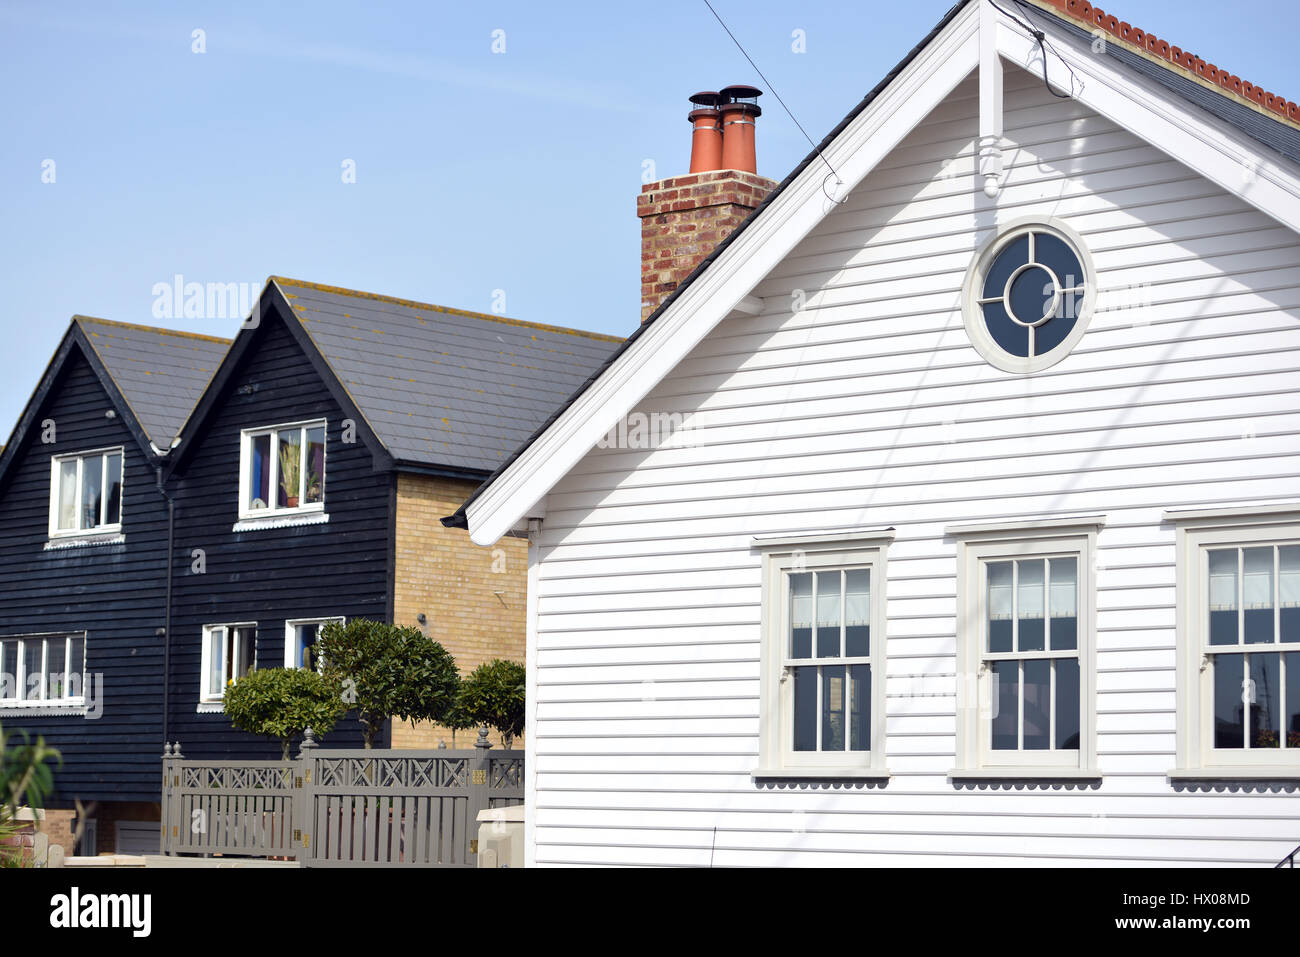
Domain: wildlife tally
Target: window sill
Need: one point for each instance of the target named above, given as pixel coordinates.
(39, 708)
(84, 541)
(210, 707)
(821, 777)
(1025, 777)
(280, 521)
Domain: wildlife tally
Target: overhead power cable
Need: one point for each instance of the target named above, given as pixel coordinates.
(789, 112)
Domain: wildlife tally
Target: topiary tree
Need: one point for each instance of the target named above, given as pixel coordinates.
(283, 703)
(494, 694)
(387, 671)
(456, 719)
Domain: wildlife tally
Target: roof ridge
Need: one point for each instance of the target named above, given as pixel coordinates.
(1272, 105)
(159, 329)
(359, 293)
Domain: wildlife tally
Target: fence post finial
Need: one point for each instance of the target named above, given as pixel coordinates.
(483, 741)
(442, 744)
(167, 750)
(176, 751)
(308, 741)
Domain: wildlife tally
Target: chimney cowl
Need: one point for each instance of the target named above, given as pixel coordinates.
(742, 93)
(706, 132)
(708, 98)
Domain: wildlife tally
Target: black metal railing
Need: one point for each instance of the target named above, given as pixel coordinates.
(1289, 860)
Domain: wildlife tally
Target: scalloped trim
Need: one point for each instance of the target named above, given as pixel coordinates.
(55, 544)
(1236, 785)
(283, 521)
(820, 784)
(1025, 784)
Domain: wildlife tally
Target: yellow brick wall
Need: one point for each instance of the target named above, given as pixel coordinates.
(58, 825)
(474, 599)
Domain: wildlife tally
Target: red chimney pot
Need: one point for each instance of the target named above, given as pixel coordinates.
(706, 132)
(739, 111)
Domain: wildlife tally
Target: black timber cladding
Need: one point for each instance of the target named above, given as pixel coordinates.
(274, 373)
(114, 593)
(269, 575)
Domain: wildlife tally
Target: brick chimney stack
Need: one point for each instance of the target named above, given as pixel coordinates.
(684, 217)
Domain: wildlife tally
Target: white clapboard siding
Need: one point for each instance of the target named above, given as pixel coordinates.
(870, 407)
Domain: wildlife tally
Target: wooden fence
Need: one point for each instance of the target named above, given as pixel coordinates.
(339, 807)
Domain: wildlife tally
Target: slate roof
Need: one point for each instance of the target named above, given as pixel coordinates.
(160, 372)
(440, 386)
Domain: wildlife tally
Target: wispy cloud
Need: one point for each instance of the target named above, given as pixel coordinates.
(423, 69)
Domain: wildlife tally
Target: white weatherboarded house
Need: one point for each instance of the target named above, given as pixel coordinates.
(982, 544)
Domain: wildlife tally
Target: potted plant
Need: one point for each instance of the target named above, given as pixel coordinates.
(1266, 738)
(290, 474)
(313, 485)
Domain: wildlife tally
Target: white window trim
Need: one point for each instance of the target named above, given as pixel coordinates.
(973, 315)
(291, 623)
(824, 550)
(976, 543)
(1196, 531)
(208, 701)
(70, 704)
(90, 535)
(271, 512)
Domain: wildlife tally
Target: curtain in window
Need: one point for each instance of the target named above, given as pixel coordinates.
(259, 471)
(68, 494)
(314, 479)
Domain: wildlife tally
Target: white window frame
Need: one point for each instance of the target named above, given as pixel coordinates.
(290, 634)
(245, 454)
(56, 462)
(973, 288)
(205, 660)
(1200, 531)
(977, 545)
(824, 551)
(19, 698)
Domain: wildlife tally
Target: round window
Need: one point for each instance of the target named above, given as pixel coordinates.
(1028, 297)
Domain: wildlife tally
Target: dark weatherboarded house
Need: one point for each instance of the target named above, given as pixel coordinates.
(300, 473)
(83, 546)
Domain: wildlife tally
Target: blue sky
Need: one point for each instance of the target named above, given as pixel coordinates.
(475, 171)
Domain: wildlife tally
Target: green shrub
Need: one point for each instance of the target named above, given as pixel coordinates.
(456, 719)
(283, 702)
(495, 695)
(386, 671)
(26, 779)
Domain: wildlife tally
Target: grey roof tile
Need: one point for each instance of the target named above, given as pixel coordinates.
(160, 372)
(441, 386)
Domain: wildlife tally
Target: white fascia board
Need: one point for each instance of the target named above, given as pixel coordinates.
(873, 134)
(1197, 139)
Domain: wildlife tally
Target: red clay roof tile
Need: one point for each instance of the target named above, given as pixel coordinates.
(1272, 104)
